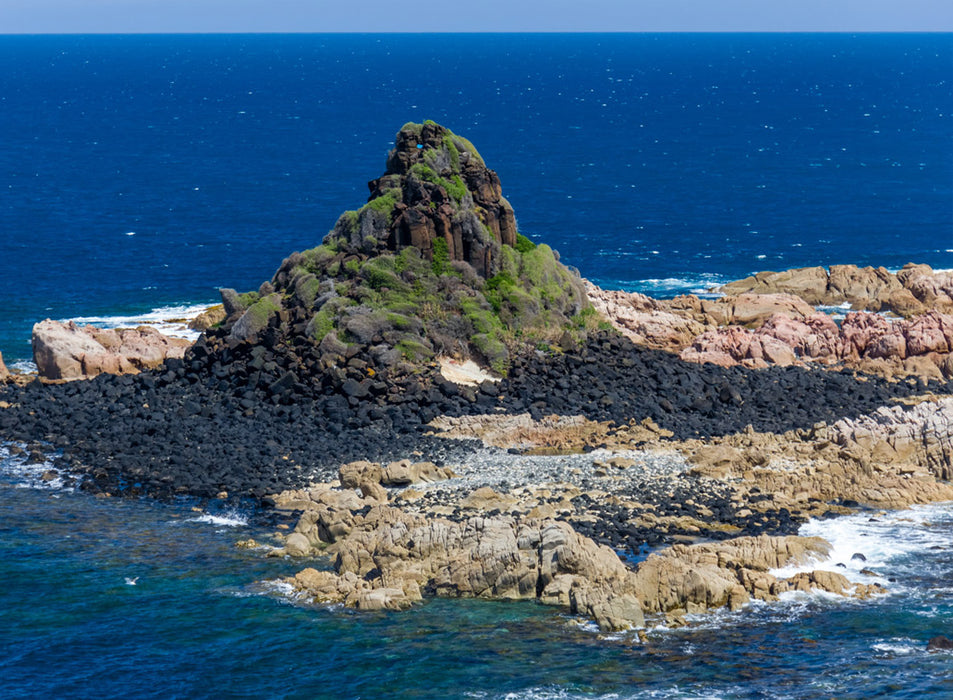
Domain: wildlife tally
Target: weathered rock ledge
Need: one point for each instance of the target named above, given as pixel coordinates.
(386, 557)
(912, 291)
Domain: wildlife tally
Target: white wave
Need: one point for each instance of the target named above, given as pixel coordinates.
(886, 543)
(898, 647)
(168, 320)
(701, 284)
(555, 693)
(233, 519)
(23, 367)
(839, 311)
(31, 475)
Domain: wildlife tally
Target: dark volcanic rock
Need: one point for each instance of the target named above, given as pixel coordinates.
(242, 422)
(689, 399)
(940, 643)
(436, 188)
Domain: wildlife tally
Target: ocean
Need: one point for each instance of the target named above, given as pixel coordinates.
(139, 174)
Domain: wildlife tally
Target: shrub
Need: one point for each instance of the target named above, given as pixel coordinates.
(523, 244)
(320, 325)
(440, 262)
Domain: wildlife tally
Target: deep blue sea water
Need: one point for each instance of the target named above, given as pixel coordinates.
(141, 173)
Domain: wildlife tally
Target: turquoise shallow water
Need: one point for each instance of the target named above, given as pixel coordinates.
(203, 621)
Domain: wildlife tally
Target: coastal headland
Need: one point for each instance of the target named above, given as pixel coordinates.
(440, 407)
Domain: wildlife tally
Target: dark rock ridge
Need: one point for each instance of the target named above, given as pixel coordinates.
(244, 424)
(436, 188)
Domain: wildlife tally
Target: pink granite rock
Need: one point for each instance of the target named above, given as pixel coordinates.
(815, 337)
(66, 351)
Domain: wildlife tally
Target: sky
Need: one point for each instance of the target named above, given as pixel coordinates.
(164, 16)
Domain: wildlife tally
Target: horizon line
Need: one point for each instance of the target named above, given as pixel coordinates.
(483, 33)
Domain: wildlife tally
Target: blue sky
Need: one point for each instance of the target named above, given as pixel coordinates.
(120, 16)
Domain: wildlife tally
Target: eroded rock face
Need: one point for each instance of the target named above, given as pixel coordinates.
(893, 458)
(921, 435)
(645, 320)
(436, 189)
(4, 372)
(67, 351)
(389, 556)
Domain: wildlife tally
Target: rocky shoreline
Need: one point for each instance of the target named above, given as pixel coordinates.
(737, 456)
(627, 457)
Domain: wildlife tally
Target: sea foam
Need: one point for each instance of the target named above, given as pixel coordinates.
(890, 544)
(168, 320)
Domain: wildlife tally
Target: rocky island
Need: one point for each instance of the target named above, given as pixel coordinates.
(440, 407)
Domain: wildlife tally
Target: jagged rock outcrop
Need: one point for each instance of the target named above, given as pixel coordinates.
(893, 458)
(436, 189)
(674, 324)
(685, 579)
(385, 556)
(208, 318)
(913, 290)
(4, 372)
(432, 266)
(65, 351)
(921, 435)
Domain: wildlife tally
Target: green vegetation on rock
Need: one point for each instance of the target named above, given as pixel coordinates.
(400, 276)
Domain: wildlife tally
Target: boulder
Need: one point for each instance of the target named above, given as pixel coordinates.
(4, 372)
(860, 285)
(815, 336)
(940, 643)
(932, 289)
(405, 473)
(65, 351)
(809, 283)
(733, 345)
(645, 320)
(208, 318)
(256, 318)
(353, 474)
(752, 310)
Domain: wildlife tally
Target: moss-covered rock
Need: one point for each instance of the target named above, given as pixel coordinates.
(436, 191)
(256, 318)
(431, 265)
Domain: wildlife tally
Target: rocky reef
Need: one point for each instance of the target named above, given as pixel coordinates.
(763, 321)
(440, 407)
(913, 290)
